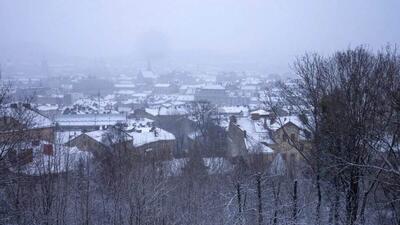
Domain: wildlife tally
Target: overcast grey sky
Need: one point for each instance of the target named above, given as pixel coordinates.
(274, 30)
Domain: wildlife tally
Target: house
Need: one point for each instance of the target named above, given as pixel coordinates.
(248, 137)
(20, 121)
(287, 133)
(149, 141)
(266, 136)
(100, 141)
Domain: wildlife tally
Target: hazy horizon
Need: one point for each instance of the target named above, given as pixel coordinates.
(270, 33)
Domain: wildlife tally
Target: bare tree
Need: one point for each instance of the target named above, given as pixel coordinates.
(343, 102)
(210, 137)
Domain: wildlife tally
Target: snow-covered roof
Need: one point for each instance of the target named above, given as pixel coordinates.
(148, 74)
(162, 85)
(95, 101)
(63, 159)
(284, 120)
(143, 132)
(47, 107)
(147, 135)
(125, 92)
(91, 105)
(140, 95)
(260, 112)
(109, 137)
(213, 87)
(124, 85)
(167, 111)
(27, 116)
(233, 109)
(254, 146)
(185, 87)
(90, 119)
(256, 135)
(131, 101)
(40, 121)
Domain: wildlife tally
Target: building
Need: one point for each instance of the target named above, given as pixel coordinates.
(101, 141)
(215, 94)
(262, 134)
(88, 122)
(248, 137)
(149, 141)
(20, 121)
(165, 88)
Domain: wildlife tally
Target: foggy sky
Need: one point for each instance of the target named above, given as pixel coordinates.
(263, 30)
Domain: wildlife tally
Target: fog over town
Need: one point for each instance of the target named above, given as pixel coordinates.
(199, 112)
(267, 35)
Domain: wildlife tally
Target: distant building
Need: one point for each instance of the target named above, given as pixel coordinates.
(93, 86)
(88, 121)
(165, 88)
(24, 93)
(54, 99)
(215, 94)
(147, 76)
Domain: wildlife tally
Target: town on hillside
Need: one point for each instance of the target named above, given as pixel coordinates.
(199, 112)
(154, 119)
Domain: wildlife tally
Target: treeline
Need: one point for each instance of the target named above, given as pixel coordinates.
(350, 104)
